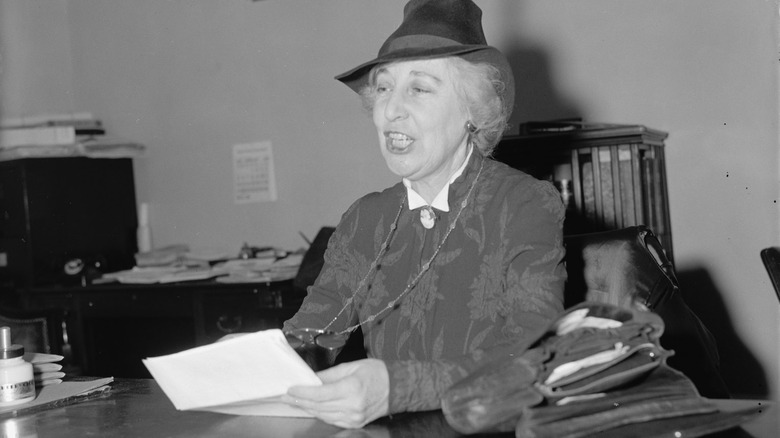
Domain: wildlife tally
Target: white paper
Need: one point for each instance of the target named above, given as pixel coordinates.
(40, 358)
(243, 375)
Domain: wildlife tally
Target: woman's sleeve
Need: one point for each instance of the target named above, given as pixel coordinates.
(532, 297)
(326, 297)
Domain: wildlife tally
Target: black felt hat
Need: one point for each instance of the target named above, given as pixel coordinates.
(435, 29)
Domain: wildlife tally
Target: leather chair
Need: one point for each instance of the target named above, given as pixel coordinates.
(771, 258)
(37, 331)
(628, 267)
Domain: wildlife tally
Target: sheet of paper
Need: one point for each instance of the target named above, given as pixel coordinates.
(41, 358)
(66, 390)
(39, 368)
(62, 391)
(243, 375)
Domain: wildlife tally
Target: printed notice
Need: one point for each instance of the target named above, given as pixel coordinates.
(253, 173)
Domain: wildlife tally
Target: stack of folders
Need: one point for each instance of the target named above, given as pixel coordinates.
(61, 135)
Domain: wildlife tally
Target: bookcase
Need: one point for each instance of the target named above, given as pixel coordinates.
(609, 176)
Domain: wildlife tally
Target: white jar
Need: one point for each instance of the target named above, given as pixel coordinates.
(17, 385)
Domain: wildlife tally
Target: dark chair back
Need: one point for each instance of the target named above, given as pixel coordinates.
(312, 261)
(771, 258)
(37, 331)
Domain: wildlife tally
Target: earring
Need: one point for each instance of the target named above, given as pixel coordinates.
(470, 127)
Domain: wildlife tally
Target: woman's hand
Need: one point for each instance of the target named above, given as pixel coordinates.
(352, 395)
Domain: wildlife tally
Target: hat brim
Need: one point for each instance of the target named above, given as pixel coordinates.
(357, 78)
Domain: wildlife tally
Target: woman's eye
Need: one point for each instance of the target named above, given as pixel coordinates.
(419, 90)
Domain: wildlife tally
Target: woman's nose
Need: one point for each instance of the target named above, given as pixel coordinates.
(396, 106)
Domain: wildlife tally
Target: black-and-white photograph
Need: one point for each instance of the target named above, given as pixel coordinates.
(389, 218)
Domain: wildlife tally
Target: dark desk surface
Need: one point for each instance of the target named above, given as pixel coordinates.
(139, 408)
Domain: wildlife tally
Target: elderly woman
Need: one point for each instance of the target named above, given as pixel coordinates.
(461, 261)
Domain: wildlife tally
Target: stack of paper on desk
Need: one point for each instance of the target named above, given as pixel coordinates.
(244, 375)
(45, 368)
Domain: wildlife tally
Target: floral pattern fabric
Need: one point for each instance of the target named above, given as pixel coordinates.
(494, 286)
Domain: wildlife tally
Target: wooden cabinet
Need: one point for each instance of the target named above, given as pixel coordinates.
(112, 327)
(609, 176)
(63, 217)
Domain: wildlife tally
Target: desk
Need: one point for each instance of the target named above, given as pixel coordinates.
(138, 408)
(111, 327)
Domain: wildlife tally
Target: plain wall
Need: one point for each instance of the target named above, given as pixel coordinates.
(191, 78)
(36, 72)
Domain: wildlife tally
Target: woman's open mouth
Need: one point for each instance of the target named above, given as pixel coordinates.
(397, 142)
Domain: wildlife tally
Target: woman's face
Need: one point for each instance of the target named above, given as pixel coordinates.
(420, 120)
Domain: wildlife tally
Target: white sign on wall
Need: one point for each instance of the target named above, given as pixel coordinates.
(253, 173)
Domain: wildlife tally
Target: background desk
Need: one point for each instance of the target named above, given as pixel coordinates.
(138, 408)
(112, 327)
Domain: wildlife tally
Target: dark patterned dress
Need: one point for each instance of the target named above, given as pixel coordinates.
(495, 284)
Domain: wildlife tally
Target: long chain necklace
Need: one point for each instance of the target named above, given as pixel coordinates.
(383, 250)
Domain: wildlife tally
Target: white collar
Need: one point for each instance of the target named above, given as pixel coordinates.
(441, 201)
